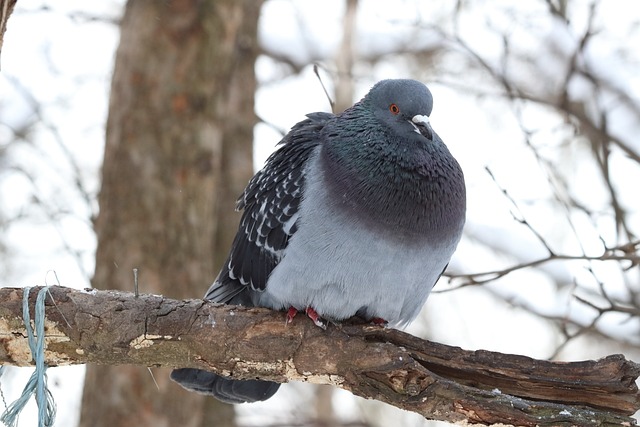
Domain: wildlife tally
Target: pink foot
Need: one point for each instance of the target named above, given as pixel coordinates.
(313, 315)
(378, 321)
(317, 320)
(291, 313)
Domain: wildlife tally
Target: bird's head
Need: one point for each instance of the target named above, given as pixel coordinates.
(385, 161)
(403, 105)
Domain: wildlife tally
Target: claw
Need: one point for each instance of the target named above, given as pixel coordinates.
(378, 321)
(313, 315)
(291, 313)
(317, 320)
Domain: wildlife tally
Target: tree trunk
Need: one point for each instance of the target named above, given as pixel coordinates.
(178, 153)
(344, 81)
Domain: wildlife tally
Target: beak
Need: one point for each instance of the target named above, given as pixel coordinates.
(422, 126)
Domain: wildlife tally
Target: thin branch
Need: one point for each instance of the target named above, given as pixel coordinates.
(618, 253)
(6, 8)
(520, 217)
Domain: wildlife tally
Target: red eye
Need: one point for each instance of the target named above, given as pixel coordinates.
(394, 109)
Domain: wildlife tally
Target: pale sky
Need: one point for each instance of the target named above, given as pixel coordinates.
(65, 62)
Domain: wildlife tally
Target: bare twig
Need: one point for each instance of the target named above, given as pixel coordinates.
(6, 8)
(618, 254)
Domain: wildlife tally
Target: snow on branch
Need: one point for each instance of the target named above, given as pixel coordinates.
(438, 381)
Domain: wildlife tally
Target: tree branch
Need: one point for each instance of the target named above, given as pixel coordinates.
(6, 8)
(435, 380)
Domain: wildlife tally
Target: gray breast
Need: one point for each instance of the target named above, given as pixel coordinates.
(341, 266)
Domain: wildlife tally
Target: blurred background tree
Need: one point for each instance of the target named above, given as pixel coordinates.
(539, 101)
(178, 151)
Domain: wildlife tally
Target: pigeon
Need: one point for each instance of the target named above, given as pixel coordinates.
(355, 214)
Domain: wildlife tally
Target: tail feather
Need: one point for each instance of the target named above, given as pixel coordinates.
(224, 389)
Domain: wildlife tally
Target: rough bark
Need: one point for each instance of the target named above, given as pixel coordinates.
(178, 152)
(435, 380)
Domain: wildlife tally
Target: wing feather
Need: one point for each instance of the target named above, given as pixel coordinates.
(270, 206)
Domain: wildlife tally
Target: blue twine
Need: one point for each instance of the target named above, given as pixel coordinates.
(38, 382)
